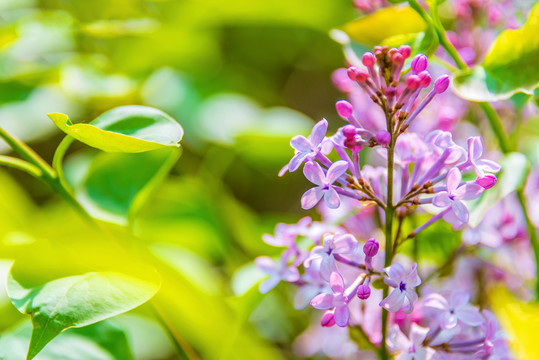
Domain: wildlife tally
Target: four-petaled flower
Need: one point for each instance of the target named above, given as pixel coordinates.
(455, 193)
(277, 272)
(314, 173)
(404, 284)
(307, 147)
(480, 166)
(338, 300)
(410, 348)
(331, 245)
(454, 309)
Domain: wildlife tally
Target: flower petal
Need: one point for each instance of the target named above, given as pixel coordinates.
(488, 165)
(394, 301)
(335, 171)
(469, 315)
(314, 173)
(418, 334)
(395, 272)
(475, 148)
(459, 299)
(290, 274)
(344, 244)
(460, 210)
(336, 283)
(470, 191)
(448, 320)
(296, 161)
(319, 132)
(342, 316)
(301, 143)
(454, 176)
(327, 266)
(441, 199)
(269, 284)
(332, 198)
(436, 301)
(266, 264)
(311, 197)
(413, 280)
(322, 301)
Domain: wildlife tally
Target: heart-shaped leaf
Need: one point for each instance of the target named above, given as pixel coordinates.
(129, 129)
(116, 185)
(509, 67)
(65, 288)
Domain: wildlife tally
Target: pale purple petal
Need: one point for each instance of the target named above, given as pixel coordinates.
(344, 244)
(319, 132)
(448, 320)
(290, 274)
(314, 173)
(460, 210)
(335, 171)
(269, 284)
(396, 272)
(311, 197)
(322, 302)
(342, 316)
(459, 299)
(418, 334)
(411, 298)
(296, 161)
(413, 279)
(266, 264)
(301, 143)
(336, 283)
(436, 301)
(488, 165)
(475, 148)
(397, 340)
(332, 198)
(304, 295)
(454, 176)
(327, 266)
(283, 170)
(470, 316)
(470, 191)
(441, 199)
(394, 301)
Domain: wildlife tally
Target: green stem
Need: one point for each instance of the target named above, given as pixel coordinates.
(496, 126)
(20, 165)
(534, 241)
(58, 159)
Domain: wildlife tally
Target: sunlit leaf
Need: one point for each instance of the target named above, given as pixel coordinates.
(385, 23)
(130, 129)
(116, 185)
(515, 170)
(509, 67)
(77, 286)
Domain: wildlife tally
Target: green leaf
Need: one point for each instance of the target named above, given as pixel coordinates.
(509, 67)
(129, 129)
(378, 284)
(386, 23)
(100, 341)
(62, 288)
(116, 185)
(515, 170)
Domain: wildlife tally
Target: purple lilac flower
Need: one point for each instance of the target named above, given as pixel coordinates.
(331, 245)
(404, 284)
(480, 166)
(410, 347)
(314, 173)
(278, 271)
(451, 198)
(338, 300)
(454, 309)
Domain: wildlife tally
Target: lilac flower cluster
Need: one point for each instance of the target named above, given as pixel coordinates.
(354, 281)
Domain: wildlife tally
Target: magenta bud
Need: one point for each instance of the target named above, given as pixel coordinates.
(405, 51)
(360, 75)
(383, 138)
(419, 63)
(425, 79)
(413, 82)
(371, 247)
(487, 181)
(441, 84)
(328, 319)
(397, 58)
(363, 292)
(369, 59)
(344, 108)
(349, 132)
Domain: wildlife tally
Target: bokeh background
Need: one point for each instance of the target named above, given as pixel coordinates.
(242, 77)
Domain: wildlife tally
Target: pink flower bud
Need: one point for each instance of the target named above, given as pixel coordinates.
(413, 82)
(349, 132)
(425, 79)
(344, 108)
(441, 84)
(405, 51)
(486, 181)
(377, 51)
(371, 247)
(382, 137)
(397, 58)
(328, 319)
(369, 59)
(363, 292)
(419, 63)
(360, 75)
